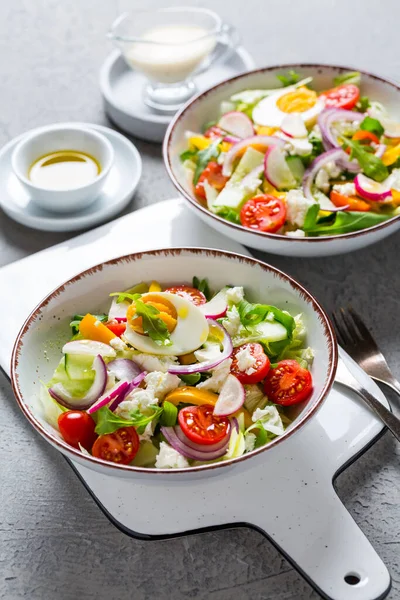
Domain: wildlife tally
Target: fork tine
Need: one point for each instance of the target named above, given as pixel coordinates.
(362, 328)
(347, 319)
(340, 330)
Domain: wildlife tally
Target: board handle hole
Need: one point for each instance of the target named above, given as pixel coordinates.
(352, 578)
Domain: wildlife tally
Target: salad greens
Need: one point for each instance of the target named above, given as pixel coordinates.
(202, 286)
(353, 77)
(108, 422)
(204, 157)
(371, 164)
(153, 326)
(372, 125)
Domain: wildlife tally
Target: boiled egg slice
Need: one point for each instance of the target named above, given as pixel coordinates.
(272, 110)
(190, 332)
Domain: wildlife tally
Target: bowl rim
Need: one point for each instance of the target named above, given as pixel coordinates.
(329, 333)
(235, 227)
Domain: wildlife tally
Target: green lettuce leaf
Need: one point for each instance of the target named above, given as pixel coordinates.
(202, 286)
(372, 125)
(290, 79)
(371, 165)
(253, 314)
(204, 157)
(108, 422)
(346, 222)
(353, 77)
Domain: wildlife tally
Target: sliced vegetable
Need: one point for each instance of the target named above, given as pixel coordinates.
(89, 348)
(119, 447)
(119, 389)
(65, 398)
(391, 127)
(371, 165)
(117, 309)
(231, 397)
(237, 123)
(343, 96)
(370, 189)
(257, 370)
(263, 213)
(195, 452)
(189, 293)
(92, 329)
(217, 306)
(169, 415)
(288, 383)
(124, 368)
(124, 393)
(327, 157)
(293, 126)
(116, 328)
(202, 426)
(212, 174)
(276, 169)
(263, 141)
(204, 157)
(349, 202)
(191, 395)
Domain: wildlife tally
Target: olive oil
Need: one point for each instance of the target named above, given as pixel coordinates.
(64, 170)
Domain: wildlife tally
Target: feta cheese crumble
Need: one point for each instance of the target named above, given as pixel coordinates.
(118, 344)
(232, 321)
(299, 233)
(210, 351)
(160, 384)
(345, 189)
(218, 377)
(168, 458)
(245, 360)
(297, 206)
(235, 294)
(148, 362)
(138, 399)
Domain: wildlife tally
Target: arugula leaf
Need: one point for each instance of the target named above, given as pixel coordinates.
(290, 79)
(353, 77)
(372, 125)
(126, 296)
(204, 157)
(187, 155)
(155, 328)
(311, 217)
(108, 422)
(253, 314)
(190, 379)
(76, 319)
(371, 165)
(169, 415)
(346, 222)
(363, 104)
(202, 286)
(228, 213)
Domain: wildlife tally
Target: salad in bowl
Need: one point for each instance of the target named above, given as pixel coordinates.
(176, 372)
(299, 160)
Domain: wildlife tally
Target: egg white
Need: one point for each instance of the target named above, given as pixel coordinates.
(189, 334)
(267, 112)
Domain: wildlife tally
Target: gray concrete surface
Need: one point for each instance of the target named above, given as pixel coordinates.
(54, 541)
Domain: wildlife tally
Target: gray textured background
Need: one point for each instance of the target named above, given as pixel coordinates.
(54, 541)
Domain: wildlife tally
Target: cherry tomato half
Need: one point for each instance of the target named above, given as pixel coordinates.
(77, 427)
(213, 174)
(189, 293)
(258, 370)
(352, 202)
(201, 426)
(214, 132)
(118, 447)
(343, 96)
(117, 328)
(263, 213)
(288, 383)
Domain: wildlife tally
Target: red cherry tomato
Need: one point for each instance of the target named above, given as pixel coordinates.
(77, 427)
(201, 426)
(213, 174)
(343, 96)
(214, 132)
(118, 447)
(263, 213)
(258, 370)
(288, 383)
(117, 328)
(189, 293)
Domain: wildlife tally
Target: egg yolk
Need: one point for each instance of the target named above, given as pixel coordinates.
(298, 100)
(167, 312)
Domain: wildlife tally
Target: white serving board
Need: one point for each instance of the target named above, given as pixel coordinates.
(292, 499)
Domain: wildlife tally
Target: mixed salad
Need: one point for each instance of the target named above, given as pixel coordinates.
(178, 377)
(296, 162)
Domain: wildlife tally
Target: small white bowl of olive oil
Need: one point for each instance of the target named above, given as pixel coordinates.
(63, 168)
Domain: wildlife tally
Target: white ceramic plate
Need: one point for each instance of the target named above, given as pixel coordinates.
(38, 346)
(122, 90)
(205, 107)
(118, 189)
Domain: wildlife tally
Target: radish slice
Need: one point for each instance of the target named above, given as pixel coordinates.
(392, 128)
(237, 123)
(118, 310)
(276, 169)
(216, 307)
(117, 390)
(231, 397)
(227, 349)
(380, 151)
(124, 368)
(122, 395)
(293, 126)
(63, 397)
(259, 140)
(190, 450)
(90, 348)
(371, 190)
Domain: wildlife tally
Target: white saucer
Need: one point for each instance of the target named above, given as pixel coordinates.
(122, 90)
(118, 189)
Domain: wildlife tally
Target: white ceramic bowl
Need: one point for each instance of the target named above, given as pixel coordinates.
(62, 137)
(205, 107)
(38, 346)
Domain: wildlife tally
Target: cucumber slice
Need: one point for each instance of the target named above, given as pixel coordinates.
(79, 366)
(295, 164)
(76, 387)
(146, 456)
(234, 194)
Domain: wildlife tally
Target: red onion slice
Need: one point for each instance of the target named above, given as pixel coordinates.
(63, 397)
(231, 397)
(237, 123)
(89, 348)
(227, 349)
(335, 115)
(260, 140)
(132, 385)
(217, 306)
(206, 449)
(119, 389)
(317, 164)
(380, 151)
(183, 448)
(124, 368)
(231, 139)
(371, 190)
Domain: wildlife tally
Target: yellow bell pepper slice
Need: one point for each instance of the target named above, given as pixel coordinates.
(92, 329)
(155, 287)
(265, 130)
(200, 142)
(191, 395)
(391, 155)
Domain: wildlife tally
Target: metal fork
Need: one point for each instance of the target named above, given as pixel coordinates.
(355, 338)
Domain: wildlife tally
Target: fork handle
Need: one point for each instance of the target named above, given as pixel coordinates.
(386, 416)
(393, 384)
